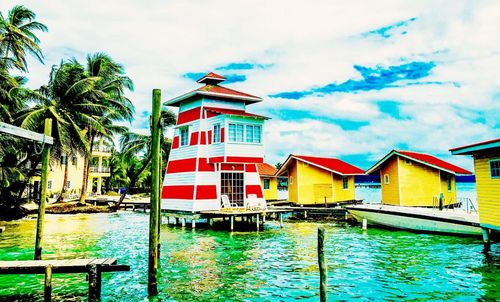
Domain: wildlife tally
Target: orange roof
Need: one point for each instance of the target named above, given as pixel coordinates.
(211, 75)
(234, 112)
(266, 169)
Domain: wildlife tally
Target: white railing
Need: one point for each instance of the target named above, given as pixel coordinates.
(96, 169)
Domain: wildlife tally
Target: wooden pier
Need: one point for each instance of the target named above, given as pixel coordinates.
(93, 267)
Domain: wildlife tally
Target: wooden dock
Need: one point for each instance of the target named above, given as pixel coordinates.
(93, 267)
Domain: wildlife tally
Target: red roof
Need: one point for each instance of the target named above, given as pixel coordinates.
(331, 164)
(266, 169)
(434, 161)
(477, 144)
(216, 89)
(211, 78)
(233, 112)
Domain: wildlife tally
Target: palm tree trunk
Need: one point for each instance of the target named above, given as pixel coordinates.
(65, 180)
(86, 168)
(132, 182)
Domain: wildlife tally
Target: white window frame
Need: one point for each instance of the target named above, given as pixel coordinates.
(491, 170)
(180, 136)
(386, 179)
(235, 133)
(216, 137)
(345, 182)
(253, 132)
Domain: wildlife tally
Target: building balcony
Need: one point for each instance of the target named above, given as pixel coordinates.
(102, 171)
(104, 151)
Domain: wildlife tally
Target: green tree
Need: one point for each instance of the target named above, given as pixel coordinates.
(17, 37)
(111, 83)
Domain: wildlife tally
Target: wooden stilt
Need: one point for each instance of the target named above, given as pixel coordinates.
(281, 220)
(232, 222)
(365, 224)
(305, 214)
(323, 273)
(183, 222)
(47, 292)
(263, 218)
(486, 239)
(94, 283)
(193, 223)
(43, 195)
(257, 221)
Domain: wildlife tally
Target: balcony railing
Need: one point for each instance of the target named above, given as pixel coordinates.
(102, 149)
(95, 169)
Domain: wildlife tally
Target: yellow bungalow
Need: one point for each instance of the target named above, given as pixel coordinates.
(269, 181)
(416, 179)
(487, 168)
(319, 180)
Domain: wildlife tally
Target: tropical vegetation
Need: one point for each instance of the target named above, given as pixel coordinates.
(86, 102)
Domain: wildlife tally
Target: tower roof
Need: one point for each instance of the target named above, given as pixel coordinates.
(212, 89)
(211, 78)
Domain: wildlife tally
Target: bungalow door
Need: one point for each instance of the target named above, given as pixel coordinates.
(232, 185)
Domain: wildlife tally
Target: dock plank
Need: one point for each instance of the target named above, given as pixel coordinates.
(58, 266)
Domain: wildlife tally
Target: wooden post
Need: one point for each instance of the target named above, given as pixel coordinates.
(155, 195)
(364, 224)
(441, 199)
(323, 272)
(47, 292)
(232, 222)
(183, 222)
(305, 214)
(95, 282)
(486, 239)
(281, 220)
(257, 221)
(193, 223)
(43, 197)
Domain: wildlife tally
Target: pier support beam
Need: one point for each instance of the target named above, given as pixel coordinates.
(155, 195)
(47, 292)
(193, 223)
(281, 220)
(365, 224)
(232, 222)
(257, 221)
(43, 196)
(183, 222)
(486, 239)
(323, 273)
(95, 281)
(305, 214)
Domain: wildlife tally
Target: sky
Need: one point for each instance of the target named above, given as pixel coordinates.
(346, 79)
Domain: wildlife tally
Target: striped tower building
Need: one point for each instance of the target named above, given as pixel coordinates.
(215, 149)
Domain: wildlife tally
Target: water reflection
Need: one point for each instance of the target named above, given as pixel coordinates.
(276, 264)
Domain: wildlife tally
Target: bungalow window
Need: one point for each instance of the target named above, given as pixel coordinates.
(236, 133)
(407, 161)
(184, 136)
(386, 179)
(267, 183)
(63, 160)
(448, 182)
(495, 168)
(345, 182)
(49, 185)
(253, 133)
(68, 184)
(75, 160)
(216, 134)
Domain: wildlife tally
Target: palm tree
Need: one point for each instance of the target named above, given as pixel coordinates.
(111, 84)
(68, 101)
(134, 144)
(17, 37)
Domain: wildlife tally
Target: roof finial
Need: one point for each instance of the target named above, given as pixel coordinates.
(211, 78)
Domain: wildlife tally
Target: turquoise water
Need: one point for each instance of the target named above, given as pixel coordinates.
(272, 265)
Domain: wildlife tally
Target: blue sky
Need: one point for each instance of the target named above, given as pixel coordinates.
(346, 79)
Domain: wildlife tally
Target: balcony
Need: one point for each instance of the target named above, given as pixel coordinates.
(101, 151)
(102, 171)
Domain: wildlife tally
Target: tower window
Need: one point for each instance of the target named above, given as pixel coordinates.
(184, 136)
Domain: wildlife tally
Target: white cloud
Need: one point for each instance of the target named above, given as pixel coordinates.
(309, 44)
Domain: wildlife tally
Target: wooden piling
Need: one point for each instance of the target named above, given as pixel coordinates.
(364, 224)
(47, 292)
(183, 222)
(193, 223)
(323, 272)
(43, 196)
(155, 194)
(232, 222)
(486, 239)
(95, 281)
(281, 220)
(257, 221)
